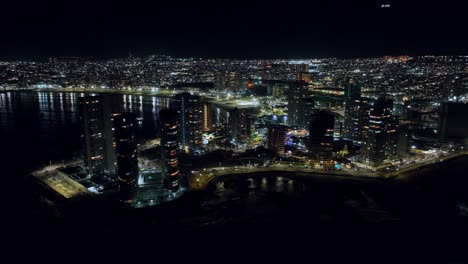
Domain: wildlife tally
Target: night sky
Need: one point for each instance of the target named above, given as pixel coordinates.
(232, 29)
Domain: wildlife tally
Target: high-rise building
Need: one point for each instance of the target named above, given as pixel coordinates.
(453, 123)
(321, 129)
(276, 88)
(338, 130)
(207, 124)
(126, 148)
(309, 105)
(352, 89)
(356, 116)
(109, 135)
(251, 127)
(381, 133)
(170, 148)
(305, 76)
(276, 138)
(190, 119)
(356, 108)
(297, 92)
(96, 122)
(235, 81)
(237, 123)
(403, 141)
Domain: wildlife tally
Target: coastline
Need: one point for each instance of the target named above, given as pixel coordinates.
(164, 93)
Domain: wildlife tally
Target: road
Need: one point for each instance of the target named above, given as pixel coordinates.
(436, 159)
(200, 179)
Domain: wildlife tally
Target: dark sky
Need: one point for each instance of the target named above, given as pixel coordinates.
(232, 29)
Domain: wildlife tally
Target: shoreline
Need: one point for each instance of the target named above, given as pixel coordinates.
(163, 93)
(409, 173)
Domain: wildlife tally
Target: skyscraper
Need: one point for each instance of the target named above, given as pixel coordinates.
(251, 127)
(381, 133)
(305, 76)
(190, 119)
(276, 138)
(403, 141)
(109, 135)
(309, 106)
(207, 119)
(126, 148)
(170, 148)
(352, 89)
(297, 92)
(229, 80)
(276, 88)
(96, 122)
(237, 123)
(356, 108)
(321, 129)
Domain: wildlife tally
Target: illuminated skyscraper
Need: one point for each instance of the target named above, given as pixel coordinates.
(170, 148)
(381, 140)
(237, 123)
(207, 124)
(96, 122)
(297, 92)
(321, 129)
(356, 108)
(190, 119)
(276, 138)
(234, 81)
(126, 148)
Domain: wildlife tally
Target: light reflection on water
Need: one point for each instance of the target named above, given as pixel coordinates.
(47, 123)
(277, 184)
(16, 106)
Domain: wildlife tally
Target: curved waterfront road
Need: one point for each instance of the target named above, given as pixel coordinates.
(200, 179)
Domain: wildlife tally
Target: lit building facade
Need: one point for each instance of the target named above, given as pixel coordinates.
(276, 138)
(237, 123)
(381, 143)
(276, 89)
(321, 128)
(126, 149)
(207, 124)
(309, 106)
(96, 122)
(190, 119)
(297, 92)
(356, 109)
(170, 148)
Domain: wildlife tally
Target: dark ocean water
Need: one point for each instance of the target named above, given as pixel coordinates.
(260, 218)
